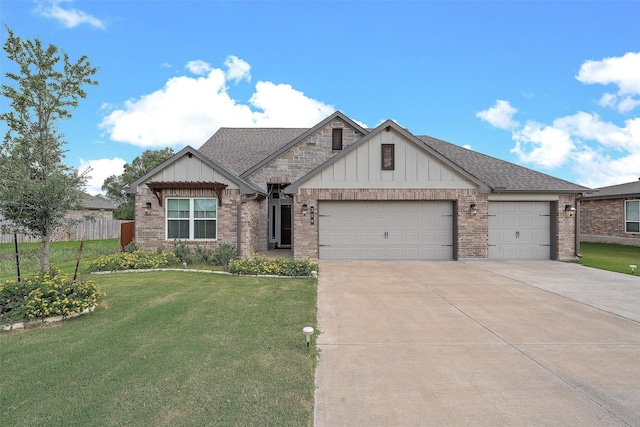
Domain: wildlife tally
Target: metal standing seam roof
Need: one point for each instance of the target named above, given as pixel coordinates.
(239, 149)
(629, 189)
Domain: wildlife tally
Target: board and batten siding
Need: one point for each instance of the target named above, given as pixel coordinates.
(191, 169)
(414, 168)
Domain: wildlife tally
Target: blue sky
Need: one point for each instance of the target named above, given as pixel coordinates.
(554, 86)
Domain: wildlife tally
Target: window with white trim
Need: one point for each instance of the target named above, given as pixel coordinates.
(632, 216)
(192, 218)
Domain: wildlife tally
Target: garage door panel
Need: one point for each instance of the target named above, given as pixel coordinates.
(394, 230)
(519, 230)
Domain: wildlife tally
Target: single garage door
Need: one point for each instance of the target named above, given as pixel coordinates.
(351, 230)
(519, 230)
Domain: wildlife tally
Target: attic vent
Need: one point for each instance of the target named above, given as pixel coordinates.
(336, 139)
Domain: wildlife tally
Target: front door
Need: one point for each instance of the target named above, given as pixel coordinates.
(280, 221)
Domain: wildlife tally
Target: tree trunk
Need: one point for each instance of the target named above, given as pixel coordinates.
(45, 253)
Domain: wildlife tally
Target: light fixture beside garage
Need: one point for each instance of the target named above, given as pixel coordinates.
(570, 209)
(304, 208)
(473, 208)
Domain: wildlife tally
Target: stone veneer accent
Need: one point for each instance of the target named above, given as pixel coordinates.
(602, 220)
(304, 156)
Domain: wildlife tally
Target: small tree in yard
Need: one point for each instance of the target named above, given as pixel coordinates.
(36, 188)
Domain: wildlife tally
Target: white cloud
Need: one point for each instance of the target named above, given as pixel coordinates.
(100, 170)
(623, 71)
(199, 68)
(283, 106)
(546, 146)
(69, 18)
(187, 110)
(599, 152)
(237, 69)
(500, 115)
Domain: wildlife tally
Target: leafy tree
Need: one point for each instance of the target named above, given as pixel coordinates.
(114, 185)
(37, 188)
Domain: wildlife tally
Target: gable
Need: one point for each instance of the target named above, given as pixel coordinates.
(190, 166)
(313, 148)
(191, 169)
(415, 167)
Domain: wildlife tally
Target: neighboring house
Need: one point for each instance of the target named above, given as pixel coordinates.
(339, 191)
(611, 215)
(93, 208)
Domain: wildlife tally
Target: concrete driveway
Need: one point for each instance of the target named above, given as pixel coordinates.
(477, 343)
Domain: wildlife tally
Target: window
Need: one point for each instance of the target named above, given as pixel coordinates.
(388, 157)
(191, 219)
(336, 139)
(632, 216)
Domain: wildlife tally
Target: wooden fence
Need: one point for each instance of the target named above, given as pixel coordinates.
(97, 229)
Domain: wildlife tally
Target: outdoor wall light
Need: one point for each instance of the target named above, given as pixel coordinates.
(307, 330)
(473, 208)
(304, 209)
(147, 206)
(570, 208)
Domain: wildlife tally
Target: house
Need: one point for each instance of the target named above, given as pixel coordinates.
(611, 215)
(340, 191)
(93, 208)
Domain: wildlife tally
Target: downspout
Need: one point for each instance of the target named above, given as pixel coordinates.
(239, 221)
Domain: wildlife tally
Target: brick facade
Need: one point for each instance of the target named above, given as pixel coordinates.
(151, 223)
(602, 220)
(566, 228)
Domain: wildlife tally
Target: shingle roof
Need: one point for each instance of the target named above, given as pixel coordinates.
(498, 174)
(96, 203)
(238, 149)
(629, 189)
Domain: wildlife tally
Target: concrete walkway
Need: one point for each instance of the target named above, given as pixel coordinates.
(477, 344)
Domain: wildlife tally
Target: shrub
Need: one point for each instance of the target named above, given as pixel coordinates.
(262, 265)
(131, 247)
(182, 252)
(223, 254)
(46, 294)
(130, 261)
(202, 254)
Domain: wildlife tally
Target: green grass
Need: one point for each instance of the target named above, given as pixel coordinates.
(610, 257)
(168, 349)
(62, 255)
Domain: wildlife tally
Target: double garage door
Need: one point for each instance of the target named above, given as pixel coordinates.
(424, 230)
(403, 230)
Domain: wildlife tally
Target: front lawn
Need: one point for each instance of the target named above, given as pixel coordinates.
(172, 349)
(610, 257)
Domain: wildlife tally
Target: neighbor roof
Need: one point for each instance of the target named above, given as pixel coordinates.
(629, 189)
(96, 203)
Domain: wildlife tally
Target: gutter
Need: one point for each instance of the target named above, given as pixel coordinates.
(239, 220)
